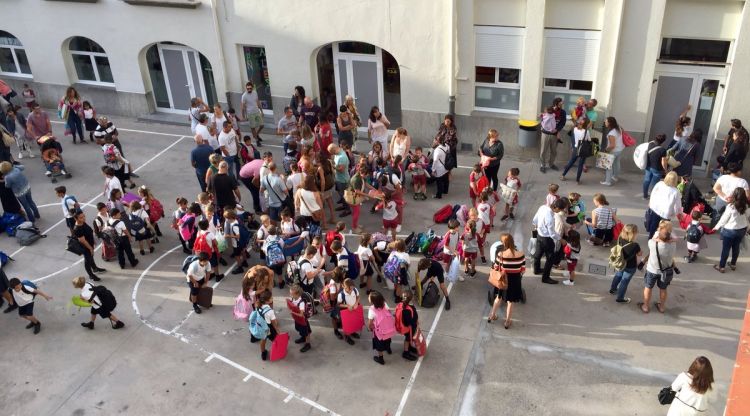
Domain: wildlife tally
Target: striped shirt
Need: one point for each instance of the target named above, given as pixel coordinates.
(604, 220)
(511, 264)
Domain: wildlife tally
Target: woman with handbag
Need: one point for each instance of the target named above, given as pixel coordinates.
(582, 149)
(506, 275)
(308, 203)
(693, 390)
(660, 266)
(733, 225)
(491, 152)
(614, 147)
(70, 109)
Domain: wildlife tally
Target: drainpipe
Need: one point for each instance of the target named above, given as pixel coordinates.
(220, 45)
(454, 52)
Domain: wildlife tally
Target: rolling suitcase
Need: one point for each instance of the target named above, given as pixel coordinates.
(108, 251)
(205, 296)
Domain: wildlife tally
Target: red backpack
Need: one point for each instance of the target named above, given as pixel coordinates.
(331, 236)
(156, 210)
(443, 214)
(482, 183)
(201, 245)
(400, 327)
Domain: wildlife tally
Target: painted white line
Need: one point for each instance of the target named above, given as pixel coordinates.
(288, 398)
(56, 272)
(135, 131)
(413, 378)
(247, 377)
(57, 204)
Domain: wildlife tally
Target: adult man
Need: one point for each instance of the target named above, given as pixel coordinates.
(726, 184)
(196, 277)
(105, 127)
(228, 145)
(274, 187)
(250, 110)
(547, 239)
(16, 181)
(310, 112)
(287, 124)
(37, 124)
(85, 235)
(341, 179)
(226, 191)
(199, 160)
(202, 130)
(250, 177)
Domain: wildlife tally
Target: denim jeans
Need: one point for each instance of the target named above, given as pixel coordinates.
(75, 125)
(620, 282)
(32, 213)
(572, 161)
(201, 179)
(651, 178)
(730, 240)
(615, 171)
(233, 166)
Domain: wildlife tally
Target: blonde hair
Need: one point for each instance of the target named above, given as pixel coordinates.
(492, 133)
(672, 179)
(79, 282)
(629, 232)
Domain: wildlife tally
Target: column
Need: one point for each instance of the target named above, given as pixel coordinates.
(533, 60)
(610, 39)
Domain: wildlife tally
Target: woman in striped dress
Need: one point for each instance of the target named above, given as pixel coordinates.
(513, 262)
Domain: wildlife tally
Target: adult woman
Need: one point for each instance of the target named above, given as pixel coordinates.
(603, 220)
(630, 253)
(733, 225)
(726, 183)
(377, 127)
(70, 109)
(400, 143)
(681, 128)
(345, 124)
(686, 152)
(656, 163)
(447, 133)
(307, 202)
(491, 152)
(665, 203)
(325, 181)
(217, 118)
(512, 262)
(197, 107)
(308, 138)
(737, 150)
(441, 174)
(580, 135)
(659, 267)
(694, 389)
(352, 108)
(297, 101)
(358, 185)
(213, 169)
(614, 147)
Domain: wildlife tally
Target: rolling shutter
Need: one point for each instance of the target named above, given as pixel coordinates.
(571, 54)
(499, 46)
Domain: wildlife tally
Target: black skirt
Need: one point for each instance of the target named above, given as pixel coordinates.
(514, 293)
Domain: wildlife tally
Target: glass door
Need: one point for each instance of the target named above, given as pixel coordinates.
(181, 70)
(359, 73)
(704, 108)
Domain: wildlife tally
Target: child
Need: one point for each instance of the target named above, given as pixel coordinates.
(410, 323)
(69, 206)
(89, 119)
(319, 260)
(694, 234)
(232, 118)
(274, 238)
(290, 230)
(153, 208)
(381, 323)
(331, 236)
(140, 226)
(390, 215)
(23, 296)
(310, 270)
(450, 245)
(232, 235)
(265, 299)
(123, 237)
(418, 174)
(295, 292)
(365, 256)
(204, 199)
(214, 227)
(576, 210)
(484, 218)
(182, 209)
(552, 194)
(348, 298)
(470, 248)
(205, 242)
(292, 137)
(580, 110)
(572, 251)
(514, 184)
(29, 97)
(334, 287)
(474, 177)
(290, 158)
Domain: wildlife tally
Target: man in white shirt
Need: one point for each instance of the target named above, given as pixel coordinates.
(123, 239)
(228, 145)
(547, 239)
(250, 110)
(196, 278)
(202, 130)
(441, 174)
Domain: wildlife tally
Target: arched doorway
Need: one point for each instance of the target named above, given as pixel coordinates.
(177, 74)
(369, 74)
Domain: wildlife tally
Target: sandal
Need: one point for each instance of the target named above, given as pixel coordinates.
(643, 307)
(507, 323)
(491, 318)
(718, 269)
(659, 307)
(733, 267)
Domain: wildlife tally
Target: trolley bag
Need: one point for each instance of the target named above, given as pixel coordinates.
(443, 214)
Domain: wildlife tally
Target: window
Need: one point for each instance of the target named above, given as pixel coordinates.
(567, 89)
(257, 72)
(357, 47)
(91, 62)
(12, 56)
(674, 50)
(497, 89)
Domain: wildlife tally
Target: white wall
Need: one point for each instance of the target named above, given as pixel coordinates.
(717, 19)
(574, 14)
(500, 12)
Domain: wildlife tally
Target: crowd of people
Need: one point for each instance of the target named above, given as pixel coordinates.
(296, 202)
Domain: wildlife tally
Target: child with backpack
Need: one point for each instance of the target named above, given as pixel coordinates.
(418, 169)
(237, 239)
(263, 322)
(331, 291)
(100, 226)
(177, 215)
(331, 236)
(476, 174)
(572, 252)
(382, 324)
(205, 242)
(69, 206)
(364, 252)
(102, 302)
(262, 233)
(140, 227)
(122, 235)
(348, 297)
(390, 214)
(433, 271)
(694, 236)
(304, 329)
(407, 323)
(576, 210)
(273, 247)
(450, 244)
(482, 229)
(513, 185)
(153, 208)
(346, 260)
(187, 227)
(24, 293)
(215, 222)
(470, 248)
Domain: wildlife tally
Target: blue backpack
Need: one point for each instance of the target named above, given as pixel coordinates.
(352, 267)
(257, 323)
(11, 222)
(4, 259)
(187, 262)
(136, 224)
(244, 239)
(392, 269)
(274, 254)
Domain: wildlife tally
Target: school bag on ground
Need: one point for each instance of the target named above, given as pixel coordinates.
(430, 295)
(384, 323)
(4, 259)
(392, 269)
(27, 234)
(257, 323)
(399, 323)
(442, 215)
(242, 308)
(205, 296)
(11, 222)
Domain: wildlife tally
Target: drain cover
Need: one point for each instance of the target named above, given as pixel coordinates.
(598, 269)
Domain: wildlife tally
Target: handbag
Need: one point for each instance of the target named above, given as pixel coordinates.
(585, 149)
(498, 278)
(666, 273)
(316, 215)
(74, 246)
(604, 160)
(666, 395)
(673, 163)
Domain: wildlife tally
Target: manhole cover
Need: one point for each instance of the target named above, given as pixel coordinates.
(598, 269)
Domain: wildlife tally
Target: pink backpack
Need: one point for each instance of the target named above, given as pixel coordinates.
(242, 308)
(385, 324)
(186, 231)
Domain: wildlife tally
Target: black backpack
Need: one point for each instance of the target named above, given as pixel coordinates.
(431, 295)
(105, 296)
(694, 233)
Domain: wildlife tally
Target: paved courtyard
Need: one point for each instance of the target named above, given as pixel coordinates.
(571, 350)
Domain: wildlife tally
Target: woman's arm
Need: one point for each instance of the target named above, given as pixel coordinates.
(385, 121)
(611, 143)
(665, 163)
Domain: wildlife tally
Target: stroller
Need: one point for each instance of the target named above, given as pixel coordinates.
(52, 157)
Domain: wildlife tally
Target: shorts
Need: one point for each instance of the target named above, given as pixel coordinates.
(419, 180)
(304, 330)
(255, 120)
(392, 224)
(237, 251)
(214, 260)
(381, 345)
(470, 255)
(603, 234)
(195, 290)
(146, 235)
(26, 310)
(326, 194)
(486, 231)
(103, 312)
(572, 265)
(278, 269)
(480, 240)
(368, 268)
(651, 279)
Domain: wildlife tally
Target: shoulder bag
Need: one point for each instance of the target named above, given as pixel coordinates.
(498, 278)
(584, 147)
(666, 273)
(316, 215)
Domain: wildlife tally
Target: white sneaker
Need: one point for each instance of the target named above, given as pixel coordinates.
(614, 179)
(31, 155)
(398, 228)
(605, 183)
(48, 173)
(461, 279)
(20, 155)
(568, 283)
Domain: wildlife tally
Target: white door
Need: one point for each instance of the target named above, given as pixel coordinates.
(182, 74)
(674, 91)
(361, 76)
